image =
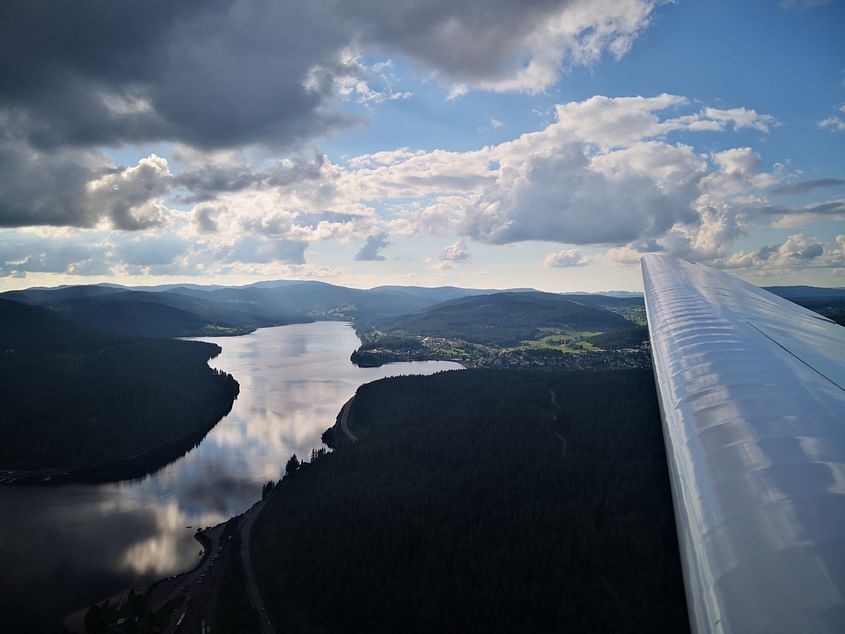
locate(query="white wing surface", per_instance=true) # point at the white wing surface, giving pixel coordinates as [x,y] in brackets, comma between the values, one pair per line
[752,392]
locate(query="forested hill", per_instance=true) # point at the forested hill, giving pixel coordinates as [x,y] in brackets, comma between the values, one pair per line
[504,319]
[480,501]
[156,314]
[829,302]
[180,311]
[74,397]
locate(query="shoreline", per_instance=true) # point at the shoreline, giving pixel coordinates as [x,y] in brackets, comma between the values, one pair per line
[155,587]
[128,468]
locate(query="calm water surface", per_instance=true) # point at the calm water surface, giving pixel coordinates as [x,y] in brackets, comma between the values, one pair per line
[63,547]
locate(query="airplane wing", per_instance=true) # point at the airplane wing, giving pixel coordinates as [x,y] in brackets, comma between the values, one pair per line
[752,392]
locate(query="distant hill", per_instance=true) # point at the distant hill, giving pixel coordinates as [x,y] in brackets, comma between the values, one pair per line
[829,302]
[35,330]
[594,299]
[618,294]
[181,312]
[505,319]
[75,397]
[805,292]
[41,296]
[190,310]
[173,310]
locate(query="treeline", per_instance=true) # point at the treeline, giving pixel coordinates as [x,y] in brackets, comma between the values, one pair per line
[476,501]
[375,351]
[628,338]
[74,398]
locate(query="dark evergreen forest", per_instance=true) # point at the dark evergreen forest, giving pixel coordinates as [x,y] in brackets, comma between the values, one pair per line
[74,397]
[480,501]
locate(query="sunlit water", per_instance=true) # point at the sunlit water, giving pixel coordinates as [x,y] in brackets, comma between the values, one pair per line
[63,547]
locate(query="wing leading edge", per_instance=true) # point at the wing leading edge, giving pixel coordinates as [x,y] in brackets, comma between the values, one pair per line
[751,392]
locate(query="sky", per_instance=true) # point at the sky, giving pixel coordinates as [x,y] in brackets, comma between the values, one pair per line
[483,143]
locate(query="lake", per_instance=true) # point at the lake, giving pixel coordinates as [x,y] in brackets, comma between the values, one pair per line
[62,547]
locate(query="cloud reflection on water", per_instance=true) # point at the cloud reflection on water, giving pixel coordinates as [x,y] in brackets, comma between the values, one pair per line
[75,544]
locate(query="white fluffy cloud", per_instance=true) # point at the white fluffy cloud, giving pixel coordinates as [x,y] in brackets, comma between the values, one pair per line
[456,252]
[607,172]
[578,33]
[834,123]
[130,196]
[796,251]
[564,259]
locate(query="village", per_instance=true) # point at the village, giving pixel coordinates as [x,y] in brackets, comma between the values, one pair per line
[472,355]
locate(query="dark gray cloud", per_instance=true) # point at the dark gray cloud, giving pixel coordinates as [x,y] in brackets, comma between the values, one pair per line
[766,252]
[811,252]
[206,182]
[46,189]
[209,74]
[221,73]
[468,40]
[833,207]
[205,216]
[79,188]
[807,186]
[371,251]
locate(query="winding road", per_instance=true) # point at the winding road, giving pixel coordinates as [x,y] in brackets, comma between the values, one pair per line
[264,623]
[344,415]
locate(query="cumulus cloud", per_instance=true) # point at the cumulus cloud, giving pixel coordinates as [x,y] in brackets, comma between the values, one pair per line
[129,196]
[568,197]
[606,171]
[456,252]
[564,259]
[833,123]
[371,251]
[81,189]
[205,216]
[47,189]
[797,251]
